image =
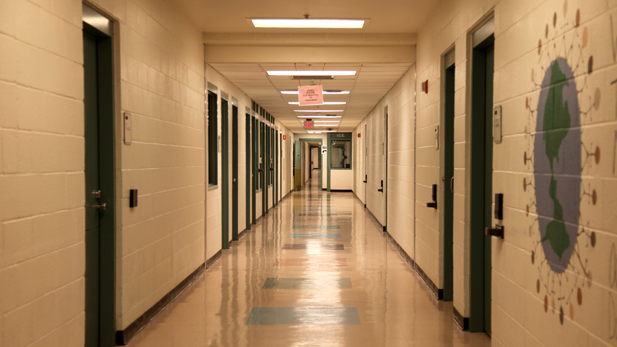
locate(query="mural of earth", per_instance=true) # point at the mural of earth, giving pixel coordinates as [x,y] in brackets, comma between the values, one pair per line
[557,164]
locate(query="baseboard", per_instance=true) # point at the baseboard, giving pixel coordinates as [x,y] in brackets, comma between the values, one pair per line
[341,190]
[124,336]
[214,258]
[437,293]
[462,322]
[375,219]
[401,251]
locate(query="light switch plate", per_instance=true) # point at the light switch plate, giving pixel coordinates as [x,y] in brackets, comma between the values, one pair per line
[437,137]
[497,124]
[128,131]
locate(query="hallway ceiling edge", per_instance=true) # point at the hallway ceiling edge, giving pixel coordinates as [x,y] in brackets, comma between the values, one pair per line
[386,16]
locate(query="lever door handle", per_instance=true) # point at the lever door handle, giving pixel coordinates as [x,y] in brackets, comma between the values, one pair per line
[496,231]
[380,190]
[102,207]
[432,204]
[235,180]
[365,181]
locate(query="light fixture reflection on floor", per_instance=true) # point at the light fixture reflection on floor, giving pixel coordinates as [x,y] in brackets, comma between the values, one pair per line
[306,23]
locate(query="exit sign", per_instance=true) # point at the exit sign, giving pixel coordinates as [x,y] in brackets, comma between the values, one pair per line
[308,123]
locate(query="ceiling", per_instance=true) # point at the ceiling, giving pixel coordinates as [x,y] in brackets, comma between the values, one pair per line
[381,52]
[367,87]
[386,16]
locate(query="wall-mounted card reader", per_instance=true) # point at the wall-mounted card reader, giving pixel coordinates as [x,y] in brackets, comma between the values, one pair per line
[133,198]
[433,204]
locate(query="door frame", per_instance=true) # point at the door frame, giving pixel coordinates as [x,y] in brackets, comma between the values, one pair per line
[480,245]
[446,156]
[248,179]
[107,171]
[225,170]
[234,169]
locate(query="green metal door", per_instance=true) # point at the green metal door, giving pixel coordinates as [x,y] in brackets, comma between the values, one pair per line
[248,179]
[99,188]
[448,181]
[225,172]
[481,185]
[254,168]
[234,173]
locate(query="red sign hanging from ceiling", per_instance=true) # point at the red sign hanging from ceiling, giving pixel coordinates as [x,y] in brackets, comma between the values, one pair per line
[310,95]
[308,123]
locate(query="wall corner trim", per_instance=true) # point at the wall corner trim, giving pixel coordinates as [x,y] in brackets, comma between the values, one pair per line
[124,336]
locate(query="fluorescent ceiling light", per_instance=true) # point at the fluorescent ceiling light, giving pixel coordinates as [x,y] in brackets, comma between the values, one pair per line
[311,73]
[324,103]
[326,125]
[325,92]
[327,122]
[309,23]
[309,117]
[320,131]
[320,111]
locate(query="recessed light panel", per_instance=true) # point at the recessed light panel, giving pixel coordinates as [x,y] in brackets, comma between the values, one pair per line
[320,111]
[324,103]
[306,23]
[340,92]
[316,116]
[311,73]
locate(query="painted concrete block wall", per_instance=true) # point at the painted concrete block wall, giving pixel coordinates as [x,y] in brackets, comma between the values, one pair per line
[161,84]
[359,156]
[162,241]
[214,204]
[41,174]
[400,104]
[535,301]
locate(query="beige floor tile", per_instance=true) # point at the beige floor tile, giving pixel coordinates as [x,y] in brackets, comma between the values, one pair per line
[394,306]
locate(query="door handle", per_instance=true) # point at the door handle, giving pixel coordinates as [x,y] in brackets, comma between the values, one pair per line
[101,207]
[235,180]
[496,231]
[380,190]
[432,204]
[452,184]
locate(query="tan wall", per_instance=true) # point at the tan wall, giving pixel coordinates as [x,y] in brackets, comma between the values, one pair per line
[41,173]
[160,66]
[400,102]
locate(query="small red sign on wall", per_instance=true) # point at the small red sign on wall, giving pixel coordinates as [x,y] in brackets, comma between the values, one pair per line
[358,134]
[284,137]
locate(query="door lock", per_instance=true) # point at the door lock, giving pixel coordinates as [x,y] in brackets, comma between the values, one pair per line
[96,194]
[101,207]
[235,180]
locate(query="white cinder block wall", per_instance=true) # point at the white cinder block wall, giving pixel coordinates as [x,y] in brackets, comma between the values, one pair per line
[160,65]
[42,218]
[532,304]
[162,241]
[400,103]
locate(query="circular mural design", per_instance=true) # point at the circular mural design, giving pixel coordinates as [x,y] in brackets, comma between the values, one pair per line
[557,165]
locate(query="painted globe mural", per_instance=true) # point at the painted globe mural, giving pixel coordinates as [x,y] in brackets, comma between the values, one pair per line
[557,164]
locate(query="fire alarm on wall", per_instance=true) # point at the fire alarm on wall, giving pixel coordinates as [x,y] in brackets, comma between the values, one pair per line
[358,134]
[425,87]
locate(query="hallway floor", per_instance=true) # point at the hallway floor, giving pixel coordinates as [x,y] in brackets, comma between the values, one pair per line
[316,271]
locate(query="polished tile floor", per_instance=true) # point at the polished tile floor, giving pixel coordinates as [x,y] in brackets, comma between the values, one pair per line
[316,271]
